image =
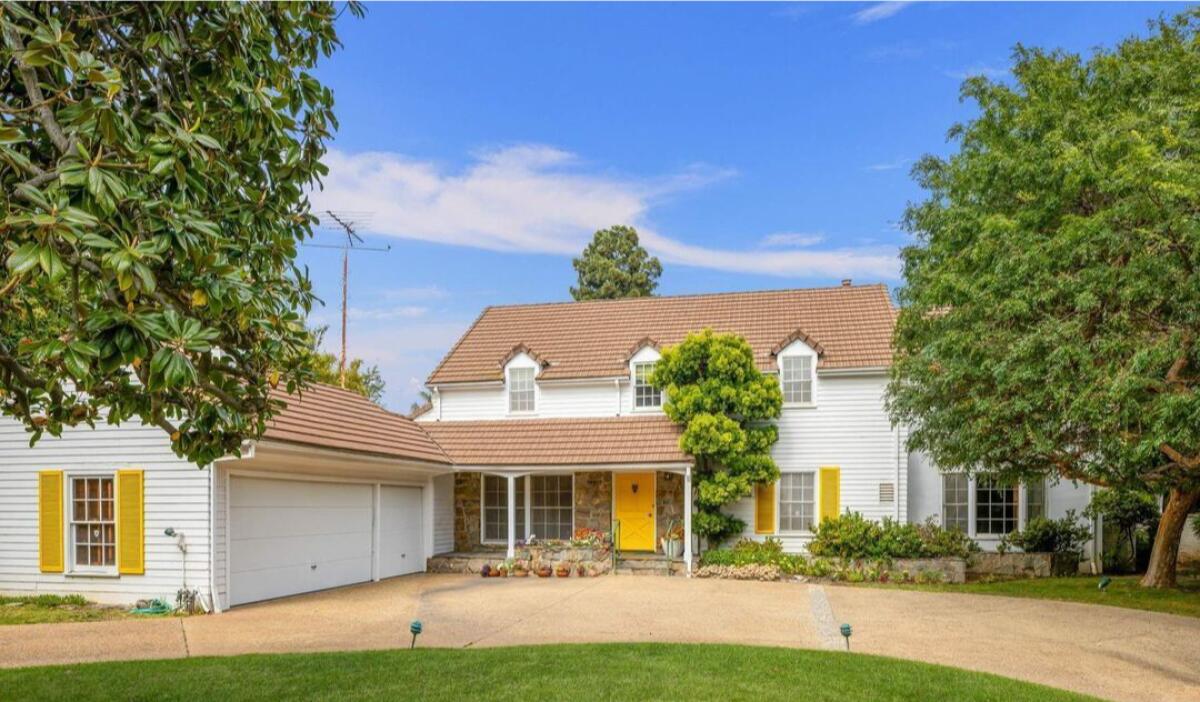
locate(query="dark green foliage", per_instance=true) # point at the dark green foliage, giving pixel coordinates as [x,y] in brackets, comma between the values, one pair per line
[360,378]
[614,265]
[725,404]
[750,552]
[1132,513]
[852,536]
[1042,535]
[154,160]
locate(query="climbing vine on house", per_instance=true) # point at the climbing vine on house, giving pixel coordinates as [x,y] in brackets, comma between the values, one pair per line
[725,405]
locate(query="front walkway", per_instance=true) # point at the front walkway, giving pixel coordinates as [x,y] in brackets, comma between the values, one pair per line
[1113,653]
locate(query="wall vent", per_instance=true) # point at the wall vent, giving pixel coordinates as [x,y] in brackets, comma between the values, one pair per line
[887,492]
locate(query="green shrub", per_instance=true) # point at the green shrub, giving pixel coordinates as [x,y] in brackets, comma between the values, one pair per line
[750,552]
[852,536]
[1041,535]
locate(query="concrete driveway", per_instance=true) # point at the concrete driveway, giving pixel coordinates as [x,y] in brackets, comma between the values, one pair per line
[1113,653]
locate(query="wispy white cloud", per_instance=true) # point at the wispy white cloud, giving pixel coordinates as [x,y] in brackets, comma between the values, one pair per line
[993,72]
[794,10]
[791,240]
[889,165]
[425,292]
[878,11]
[539,199]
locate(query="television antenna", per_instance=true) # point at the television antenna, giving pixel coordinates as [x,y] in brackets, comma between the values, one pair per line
[347,221]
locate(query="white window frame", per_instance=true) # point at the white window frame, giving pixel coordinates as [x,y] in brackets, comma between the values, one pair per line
[812,502]
[525,506]
[1026,502]
[798,350]
[511,384]
[75,567]
[634,384]
[532,508]
[1017,520]
[968,525]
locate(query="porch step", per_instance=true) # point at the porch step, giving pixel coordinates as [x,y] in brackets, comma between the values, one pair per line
[648,564]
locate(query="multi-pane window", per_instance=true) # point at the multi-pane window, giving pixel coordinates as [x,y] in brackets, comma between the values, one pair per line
[551,507]
[955,501]
[795,374]
[495,508]
[1035,500]
[995,507]
[797,498]
[520,390]
[93,527]
[645,394]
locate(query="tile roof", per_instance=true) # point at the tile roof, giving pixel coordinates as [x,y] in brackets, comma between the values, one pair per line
[851,323]
[329,417]
[575,441]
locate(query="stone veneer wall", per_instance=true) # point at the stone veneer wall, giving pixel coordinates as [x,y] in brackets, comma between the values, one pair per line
[468,490]
[593,500]
[668,504]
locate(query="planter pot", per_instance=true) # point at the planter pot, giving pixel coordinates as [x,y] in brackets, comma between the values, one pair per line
[545,572]
[563,572]
[520,573]
[581,571]
[485,571]
[673,548]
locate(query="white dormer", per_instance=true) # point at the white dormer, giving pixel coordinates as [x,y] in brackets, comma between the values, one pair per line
[797,358]
[645,397]
[521,370]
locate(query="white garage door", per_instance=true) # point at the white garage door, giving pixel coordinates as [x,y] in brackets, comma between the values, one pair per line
[290,536]
[400,537]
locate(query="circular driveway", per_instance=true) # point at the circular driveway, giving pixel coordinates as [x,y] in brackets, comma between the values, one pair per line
[1113,653]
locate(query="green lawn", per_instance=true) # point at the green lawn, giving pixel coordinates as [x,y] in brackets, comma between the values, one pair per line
[1124,591]
[593,671]
[46,609]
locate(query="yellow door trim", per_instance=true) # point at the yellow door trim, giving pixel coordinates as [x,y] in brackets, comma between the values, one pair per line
[651,543]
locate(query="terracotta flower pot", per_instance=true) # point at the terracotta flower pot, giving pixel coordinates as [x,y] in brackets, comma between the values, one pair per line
[545,572]
[563,571]
[520,573]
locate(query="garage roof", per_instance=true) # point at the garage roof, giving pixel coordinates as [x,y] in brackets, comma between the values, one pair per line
[329,417]
[578,442]
[851,325]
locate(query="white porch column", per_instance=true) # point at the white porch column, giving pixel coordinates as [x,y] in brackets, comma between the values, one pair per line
[512,516]
[687,519]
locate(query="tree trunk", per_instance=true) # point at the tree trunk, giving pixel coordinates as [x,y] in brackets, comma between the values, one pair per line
[1165,553]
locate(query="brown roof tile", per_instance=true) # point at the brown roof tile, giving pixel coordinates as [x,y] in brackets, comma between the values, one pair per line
[329,417]
[851,324]
[584,441]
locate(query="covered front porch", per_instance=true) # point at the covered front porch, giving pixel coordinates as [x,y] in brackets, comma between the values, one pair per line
[628,517]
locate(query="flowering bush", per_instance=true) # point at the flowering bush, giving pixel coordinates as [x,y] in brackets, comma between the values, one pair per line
[852,536]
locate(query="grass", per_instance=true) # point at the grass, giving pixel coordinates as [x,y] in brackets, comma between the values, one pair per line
[48,609]
[590,671]
[1123,591]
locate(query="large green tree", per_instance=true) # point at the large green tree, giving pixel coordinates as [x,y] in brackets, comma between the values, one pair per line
[614,265]
[154,159]
[1051,304]
[726,406]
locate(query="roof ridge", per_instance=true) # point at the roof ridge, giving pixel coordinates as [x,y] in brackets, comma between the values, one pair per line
[647,298]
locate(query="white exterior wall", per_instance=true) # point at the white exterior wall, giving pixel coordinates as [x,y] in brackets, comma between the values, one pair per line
[847,428]
[443,514]
[925,499]
[176,495]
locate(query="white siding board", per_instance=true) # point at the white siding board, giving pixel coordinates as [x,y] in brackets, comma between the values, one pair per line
[443,514]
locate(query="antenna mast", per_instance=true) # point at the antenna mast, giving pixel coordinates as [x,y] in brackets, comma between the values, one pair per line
[353,240]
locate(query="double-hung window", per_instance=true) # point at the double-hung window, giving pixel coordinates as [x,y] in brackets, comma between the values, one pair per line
[795,373]
[93,528]
[797,500]
[1035,500]
[520,390]
[956,507]
[645,395]
[495,508]
[995,507]
[549,508]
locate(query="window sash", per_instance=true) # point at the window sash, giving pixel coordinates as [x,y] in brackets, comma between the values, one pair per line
[495,508]
[645,394]
[552,503]
[1035,500]
[995,507]
[520,390]
[92,524]
[795,374]
[797,501]
[956,495]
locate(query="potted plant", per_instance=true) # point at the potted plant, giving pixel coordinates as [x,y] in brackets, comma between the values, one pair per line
[563,570]
[581,570]
[672,541]
[519,569]
[544,571]
[485,571]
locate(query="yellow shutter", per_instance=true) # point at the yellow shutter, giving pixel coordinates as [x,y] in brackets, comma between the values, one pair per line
[131,542]
[764,508]
[831,492]
[50,521]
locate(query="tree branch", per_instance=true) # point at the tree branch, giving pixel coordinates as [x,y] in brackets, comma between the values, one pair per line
[34,90]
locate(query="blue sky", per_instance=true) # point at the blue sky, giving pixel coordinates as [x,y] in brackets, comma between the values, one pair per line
[753,145]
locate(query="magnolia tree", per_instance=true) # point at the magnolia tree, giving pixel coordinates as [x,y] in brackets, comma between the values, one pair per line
[725,405]
[154,159]
[1051,304]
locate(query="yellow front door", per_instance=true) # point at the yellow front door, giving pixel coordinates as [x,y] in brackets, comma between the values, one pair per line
[635,510]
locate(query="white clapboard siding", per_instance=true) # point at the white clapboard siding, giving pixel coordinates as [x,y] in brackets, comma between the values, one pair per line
[176,495]
[443,514]
[850,429]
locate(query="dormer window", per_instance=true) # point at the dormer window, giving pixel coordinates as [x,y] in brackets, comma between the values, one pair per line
[520,390]
[795,373]
[645,395]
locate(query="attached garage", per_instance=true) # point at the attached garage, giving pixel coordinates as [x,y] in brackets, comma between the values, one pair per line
[337,492]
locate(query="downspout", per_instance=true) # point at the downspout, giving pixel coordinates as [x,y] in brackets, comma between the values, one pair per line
[617,387]
[215,605]
[898,457]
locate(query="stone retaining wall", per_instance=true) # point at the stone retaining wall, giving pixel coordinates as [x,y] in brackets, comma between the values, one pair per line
[1021,565]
